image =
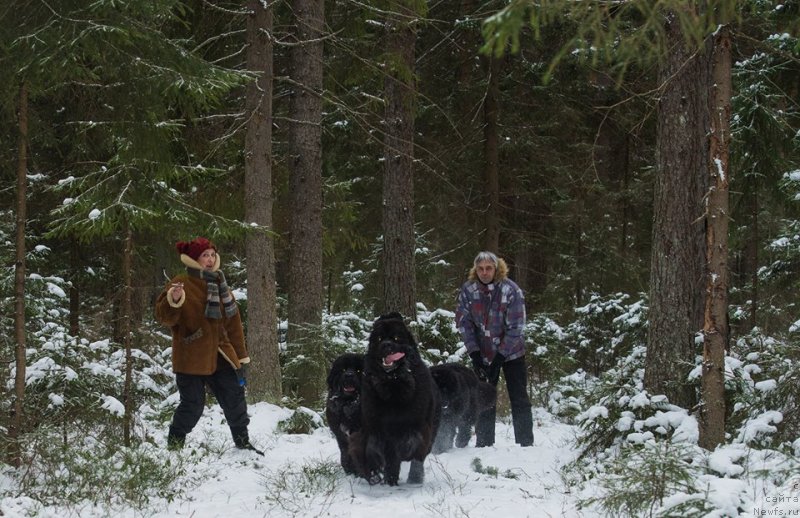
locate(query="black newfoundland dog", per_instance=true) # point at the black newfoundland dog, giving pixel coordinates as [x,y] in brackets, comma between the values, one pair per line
[399,406]
[463,398]
[343,406]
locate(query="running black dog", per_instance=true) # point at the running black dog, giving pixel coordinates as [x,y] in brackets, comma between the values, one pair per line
[463,398]
[400,407]
[343,406]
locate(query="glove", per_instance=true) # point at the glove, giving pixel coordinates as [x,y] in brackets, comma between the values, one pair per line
[241,373]
[493,372]
[477,365]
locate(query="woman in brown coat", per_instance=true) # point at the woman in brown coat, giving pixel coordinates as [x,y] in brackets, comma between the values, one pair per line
[208,345]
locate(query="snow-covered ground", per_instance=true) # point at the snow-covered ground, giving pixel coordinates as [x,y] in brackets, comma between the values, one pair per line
[293,478]
[300,476]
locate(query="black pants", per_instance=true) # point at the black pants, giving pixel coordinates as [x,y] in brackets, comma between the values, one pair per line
[226,389]
[516,378]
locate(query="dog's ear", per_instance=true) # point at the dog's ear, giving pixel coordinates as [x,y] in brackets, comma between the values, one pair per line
[334,371]
[331,378]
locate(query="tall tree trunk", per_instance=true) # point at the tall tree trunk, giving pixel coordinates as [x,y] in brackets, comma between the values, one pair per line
[14,454]
[520,247]
[625,204]
[305,185]
[262,318]
[749,274]
[715,329]
[577,229]
[678,251]
[399,278]
[467,38]
[125,327]
[752,247]
[74,292]
[491,154]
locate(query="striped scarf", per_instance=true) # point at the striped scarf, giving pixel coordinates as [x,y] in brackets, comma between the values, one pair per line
[217,291]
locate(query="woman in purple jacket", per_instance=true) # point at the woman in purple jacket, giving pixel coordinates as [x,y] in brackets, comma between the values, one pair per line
[491,320]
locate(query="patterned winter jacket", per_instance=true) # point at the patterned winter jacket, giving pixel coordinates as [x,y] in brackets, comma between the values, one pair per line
[491,318]
[197,341]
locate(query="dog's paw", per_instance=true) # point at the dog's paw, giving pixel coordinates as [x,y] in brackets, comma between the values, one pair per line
[374,478]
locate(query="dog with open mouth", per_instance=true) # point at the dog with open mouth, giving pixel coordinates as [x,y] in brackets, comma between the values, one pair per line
[399,406]
[343,405]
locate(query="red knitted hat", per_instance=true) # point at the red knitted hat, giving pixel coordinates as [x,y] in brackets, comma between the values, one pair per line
[194,247]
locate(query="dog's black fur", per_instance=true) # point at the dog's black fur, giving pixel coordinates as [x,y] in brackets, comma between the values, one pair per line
[400,407]
[463,398]
[343,406]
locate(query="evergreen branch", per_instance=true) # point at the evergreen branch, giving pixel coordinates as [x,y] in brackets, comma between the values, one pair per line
[216,38]
[232,12]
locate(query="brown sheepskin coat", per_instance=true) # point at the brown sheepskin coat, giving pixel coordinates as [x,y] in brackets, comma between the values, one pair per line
[197,340]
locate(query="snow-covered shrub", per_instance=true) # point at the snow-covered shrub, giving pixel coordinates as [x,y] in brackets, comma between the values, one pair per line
[296,489]
[345,333]
[618,411]
[566,396]
[74,382]
[302,421]
[549,360]
[83,471]
[338,333]
[605,329]
[765,408]
[643,452]
[438,338]
[638,481]
[568,362]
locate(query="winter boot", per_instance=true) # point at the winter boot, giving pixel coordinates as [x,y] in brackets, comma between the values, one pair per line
[484,428]
[241,438]
[175,440]
[523,425]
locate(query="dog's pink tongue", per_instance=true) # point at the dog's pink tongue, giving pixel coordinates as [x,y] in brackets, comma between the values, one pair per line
[391,358]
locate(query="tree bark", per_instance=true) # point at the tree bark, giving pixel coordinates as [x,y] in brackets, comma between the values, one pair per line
[305,186]
[262,319]
[74,292]
[625,204]
[491,154]
[14,454]
[399,278]
[467,37]
[678,251]
[125,327]
[715,329]
[749,266]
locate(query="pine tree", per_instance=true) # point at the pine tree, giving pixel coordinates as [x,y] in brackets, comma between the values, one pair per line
[305,182]
[399,245]
[127,87]
[262,329]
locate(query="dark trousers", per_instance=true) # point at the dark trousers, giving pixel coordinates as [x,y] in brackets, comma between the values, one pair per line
[226,389]
[516,378]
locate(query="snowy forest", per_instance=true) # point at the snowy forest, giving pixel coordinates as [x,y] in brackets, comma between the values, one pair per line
[636,163]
